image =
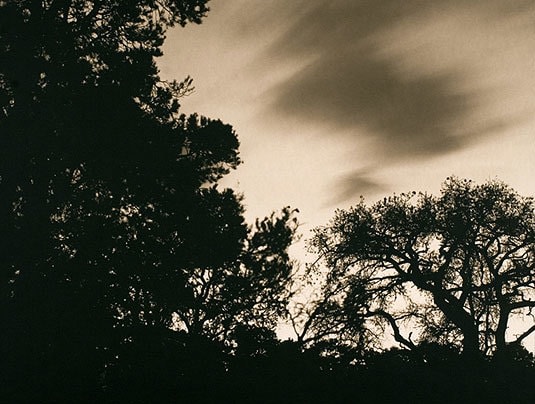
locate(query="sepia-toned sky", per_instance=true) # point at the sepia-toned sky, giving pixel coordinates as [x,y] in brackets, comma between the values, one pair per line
[333,99]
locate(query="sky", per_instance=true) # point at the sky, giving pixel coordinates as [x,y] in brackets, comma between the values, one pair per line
[337,99]
[334,99]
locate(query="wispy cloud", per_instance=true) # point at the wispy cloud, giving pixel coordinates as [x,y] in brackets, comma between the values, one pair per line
[357,91]
[354,93]
[356,183]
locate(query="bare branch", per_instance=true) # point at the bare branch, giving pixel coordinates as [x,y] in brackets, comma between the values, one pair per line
[397,334]
[525,334]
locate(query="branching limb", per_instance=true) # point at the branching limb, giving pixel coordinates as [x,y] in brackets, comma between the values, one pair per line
[525,334]
[395,328]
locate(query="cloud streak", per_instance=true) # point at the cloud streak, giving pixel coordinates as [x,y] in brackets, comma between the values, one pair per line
[356,91]
[354,183]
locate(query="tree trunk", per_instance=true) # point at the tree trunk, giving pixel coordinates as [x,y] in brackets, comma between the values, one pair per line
[471,350]
[501,329]
[454,311]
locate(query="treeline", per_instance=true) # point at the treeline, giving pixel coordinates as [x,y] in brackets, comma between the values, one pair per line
[128,275]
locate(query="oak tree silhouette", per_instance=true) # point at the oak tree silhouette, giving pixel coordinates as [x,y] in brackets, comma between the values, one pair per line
[452,269]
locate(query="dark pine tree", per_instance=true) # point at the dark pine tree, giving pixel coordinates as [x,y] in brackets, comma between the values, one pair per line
[125,269]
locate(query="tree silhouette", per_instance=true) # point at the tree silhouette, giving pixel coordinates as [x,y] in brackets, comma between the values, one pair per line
[453,269]
[119,251]
[128,274]
[250,291]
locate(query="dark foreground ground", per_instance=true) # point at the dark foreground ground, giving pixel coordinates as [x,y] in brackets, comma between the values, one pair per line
[286,376]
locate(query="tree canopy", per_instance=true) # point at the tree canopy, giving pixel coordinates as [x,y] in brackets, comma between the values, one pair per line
[129,274]
[453,269]
[117,242]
